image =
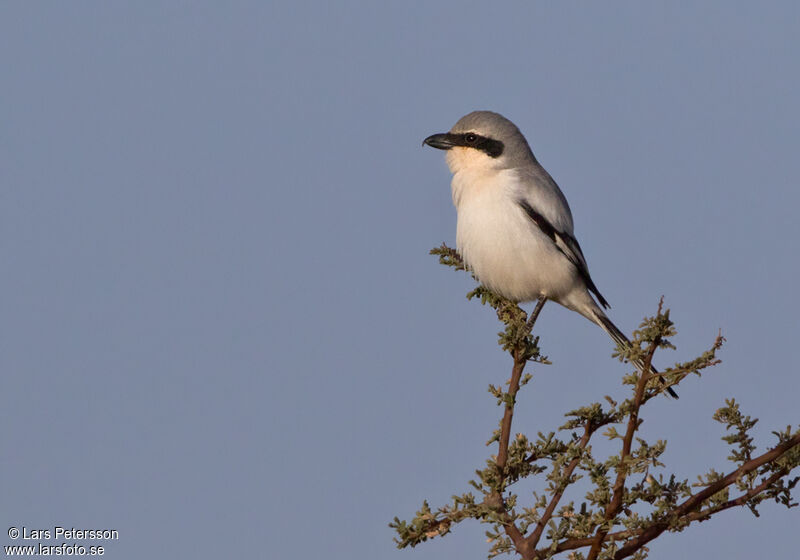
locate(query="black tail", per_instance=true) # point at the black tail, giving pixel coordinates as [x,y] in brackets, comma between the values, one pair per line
[620,338]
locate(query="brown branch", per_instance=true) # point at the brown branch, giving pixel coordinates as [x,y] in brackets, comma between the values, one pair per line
[533,540]
[695,502]
[741,500]
[509,526]
[575,543]
[572,544]
[516,536]
[615,504]
[535,314]
[513,387]
[508,414]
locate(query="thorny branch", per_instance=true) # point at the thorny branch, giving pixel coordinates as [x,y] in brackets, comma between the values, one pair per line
[533,539]
[689,511]
[612,522]
[615,505]
[694,503]
[520,359]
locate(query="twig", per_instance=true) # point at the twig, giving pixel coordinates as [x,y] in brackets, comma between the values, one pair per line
[535,314]
[533,539]
[520,542]
[572,544]
[687,510]
[513,387]
[615,504]
[741,500]
[696,501]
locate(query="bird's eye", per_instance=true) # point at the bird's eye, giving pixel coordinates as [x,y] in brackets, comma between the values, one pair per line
[470,137]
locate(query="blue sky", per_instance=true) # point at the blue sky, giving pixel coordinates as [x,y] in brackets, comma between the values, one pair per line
[221,332]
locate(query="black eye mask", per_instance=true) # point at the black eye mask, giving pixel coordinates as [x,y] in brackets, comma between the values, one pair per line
[491,147]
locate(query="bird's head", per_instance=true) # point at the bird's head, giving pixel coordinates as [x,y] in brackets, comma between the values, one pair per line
[482,140]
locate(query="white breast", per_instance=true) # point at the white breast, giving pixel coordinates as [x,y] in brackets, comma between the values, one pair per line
[500,243]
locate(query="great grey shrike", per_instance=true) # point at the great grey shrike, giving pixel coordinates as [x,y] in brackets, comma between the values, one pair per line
[515,230]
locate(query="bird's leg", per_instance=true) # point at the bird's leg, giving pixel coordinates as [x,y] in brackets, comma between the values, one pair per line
[535,314]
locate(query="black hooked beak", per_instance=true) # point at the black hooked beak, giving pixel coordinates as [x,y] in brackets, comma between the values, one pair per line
[442,141]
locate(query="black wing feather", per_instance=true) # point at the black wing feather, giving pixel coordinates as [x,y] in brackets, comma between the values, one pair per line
[568,245]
